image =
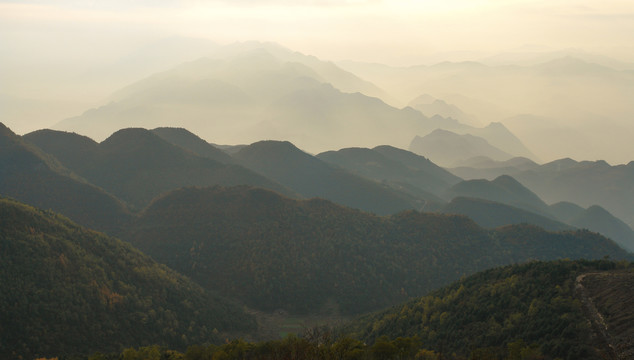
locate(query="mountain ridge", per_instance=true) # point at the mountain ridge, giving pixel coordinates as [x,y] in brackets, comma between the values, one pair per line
[301,255]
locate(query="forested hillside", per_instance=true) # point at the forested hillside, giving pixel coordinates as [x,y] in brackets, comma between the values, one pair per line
[310,256]
[492,214]
[485,315]
[68,290]
[37,178]
[533,311]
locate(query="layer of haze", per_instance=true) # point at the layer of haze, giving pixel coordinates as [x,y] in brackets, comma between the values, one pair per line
[59,59]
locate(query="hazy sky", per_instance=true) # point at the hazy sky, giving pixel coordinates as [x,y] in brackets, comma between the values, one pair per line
[60,58]
[396,31]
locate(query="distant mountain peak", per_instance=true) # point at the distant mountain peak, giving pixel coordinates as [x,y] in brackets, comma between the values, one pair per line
[130,137]
[496,124]
[448,148]
[506,179]
[276,145]
[4,130]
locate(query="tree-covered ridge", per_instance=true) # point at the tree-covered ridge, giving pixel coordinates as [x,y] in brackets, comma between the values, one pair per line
[398,168]
[66,290]
[490,214]
[320,345]
[315,256]
[189,141]
[136,165]
[503,189]
[535,303]
[312,177]
[533,311]
[37,178]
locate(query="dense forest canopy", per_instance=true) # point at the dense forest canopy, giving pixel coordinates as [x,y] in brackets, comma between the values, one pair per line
[311,256]
[67,290]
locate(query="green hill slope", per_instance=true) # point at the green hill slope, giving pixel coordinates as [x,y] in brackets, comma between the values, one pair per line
[311,256]
[31,176]
[490,313]
[68,290]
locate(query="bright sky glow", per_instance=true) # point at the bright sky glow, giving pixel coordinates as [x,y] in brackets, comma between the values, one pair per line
[402,29]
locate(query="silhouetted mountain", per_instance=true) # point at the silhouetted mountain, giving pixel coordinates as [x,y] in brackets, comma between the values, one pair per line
[312,177]
[431,106]
[585,183]
[482,167]
[416,162]
[189,141]
[572,66]
[326,70]
[258,94]
[562,164]
[325,118]
[504,189]
[492,214]
[531,56]
[483,162]
[562,92]
[67,290]
[136,165]
[31,176]
[311,256]
[596,218]
[512,312]
[566,211]
[230,149]
[500,137]
[447,148]
[75,151]
[383,164]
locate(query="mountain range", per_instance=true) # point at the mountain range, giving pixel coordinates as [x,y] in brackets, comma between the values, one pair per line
[398,168]
[223,194]
[585,183]
[448,148]
[137,165]
[552,106]
[507,201]
[249,92]
[311,243]
[383,180]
